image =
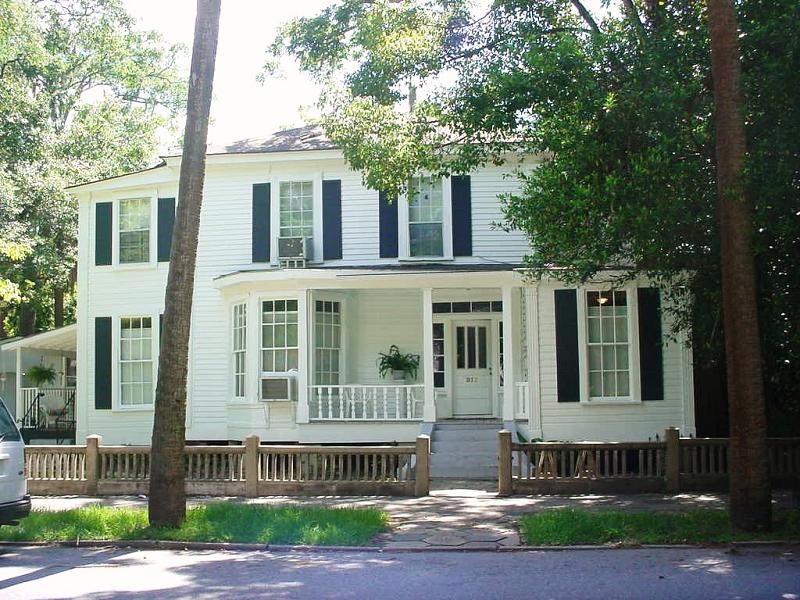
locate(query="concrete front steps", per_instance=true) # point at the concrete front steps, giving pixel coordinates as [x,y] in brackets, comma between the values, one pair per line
[464,449]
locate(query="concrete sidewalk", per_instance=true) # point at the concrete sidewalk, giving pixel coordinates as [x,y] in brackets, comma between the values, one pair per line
[457,515]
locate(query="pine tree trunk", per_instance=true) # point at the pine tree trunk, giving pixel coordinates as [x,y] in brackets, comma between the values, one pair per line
[58,307]
[749,475]
[167,501]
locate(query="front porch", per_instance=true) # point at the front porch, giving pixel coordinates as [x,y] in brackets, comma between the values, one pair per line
[472,344]
[45,411]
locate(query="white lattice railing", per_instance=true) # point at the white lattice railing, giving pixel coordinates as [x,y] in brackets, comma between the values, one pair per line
[356,402]
[522,400]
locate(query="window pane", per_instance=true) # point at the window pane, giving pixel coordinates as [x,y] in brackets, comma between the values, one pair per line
[460,347]
[470,347]
[296,201]
[425,239]
[134,230]
[481,347]
[623,383]
[607,347]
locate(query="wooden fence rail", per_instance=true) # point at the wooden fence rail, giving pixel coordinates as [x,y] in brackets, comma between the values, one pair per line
[671,465]
[250,470]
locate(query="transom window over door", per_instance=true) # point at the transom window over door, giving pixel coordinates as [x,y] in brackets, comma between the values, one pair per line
[327,341]
[136,361]
[425,217]
[296,199]
[134,230]
[608,344]
[278,336]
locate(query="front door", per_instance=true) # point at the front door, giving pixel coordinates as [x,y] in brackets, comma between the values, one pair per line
[472,379]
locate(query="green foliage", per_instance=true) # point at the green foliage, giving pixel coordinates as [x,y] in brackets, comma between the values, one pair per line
[39,375]
[605,122]
[568,526]
[215,522]
[395,361]
[83,95]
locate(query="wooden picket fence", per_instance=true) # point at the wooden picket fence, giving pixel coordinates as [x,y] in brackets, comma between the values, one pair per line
[250,470]
[672,465]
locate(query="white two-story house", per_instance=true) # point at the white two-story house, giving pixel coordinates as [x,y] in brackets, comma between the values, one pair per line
[304,276]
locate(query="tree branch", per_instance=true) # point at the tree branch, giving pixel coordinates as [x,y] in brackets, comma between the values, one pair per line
[586,15]
[633,15]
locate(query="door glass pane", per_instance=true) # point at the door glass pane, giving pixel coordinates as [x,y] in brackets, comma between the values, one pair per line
[460,347]
[481,347]
[470,347]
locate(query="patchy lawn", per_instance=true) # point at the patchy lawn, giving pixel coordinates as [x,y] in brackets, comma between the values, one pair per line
[565,526]
[216,522]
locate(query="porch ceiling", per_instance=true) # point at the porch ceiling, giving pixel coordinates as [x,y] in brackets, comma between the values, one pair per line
[63,339]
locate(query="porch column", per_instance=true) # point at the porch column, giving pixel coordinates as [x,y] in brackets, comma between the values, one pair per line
[303,362]
[511,329]
[429,411]
[20,409]
[534,388]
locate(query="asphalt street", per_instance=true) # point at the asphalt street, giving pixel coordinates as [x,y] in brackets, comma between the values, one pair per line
[42,572]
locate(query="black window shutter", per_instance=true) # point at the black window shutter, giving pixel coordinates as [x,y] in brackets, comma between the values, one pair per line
[102,363]
[332,219]
[388,225]
[103,234]
[166,222]
[160,328]
[261,222]
[566,308]
[651,361]
[461,206]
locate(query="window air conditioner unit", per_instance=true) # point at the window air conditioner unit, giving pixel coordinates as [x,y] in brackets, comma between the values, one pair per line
[277,389]
[295,248]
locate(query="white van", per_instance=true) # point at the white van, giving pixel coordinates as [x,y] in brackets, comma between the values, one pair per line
[15,503]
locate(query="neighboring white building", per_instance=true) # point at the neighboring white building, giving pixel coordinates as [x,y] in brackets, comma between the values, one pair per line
[304,275]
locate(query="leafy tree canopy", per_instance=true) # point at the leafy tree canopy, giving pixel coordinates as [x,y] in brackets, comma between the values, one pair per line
[83,95]
[616,108]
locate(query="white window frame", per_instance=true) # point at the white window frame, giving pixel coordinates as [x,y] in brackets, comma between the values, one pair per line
[635,396]
[275,214]
[316,297]
[244,304]
[153,238]
[117,360]
[404,237]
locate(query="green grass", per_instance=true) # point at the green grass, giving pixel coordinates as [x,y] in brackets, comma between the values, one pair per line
[565,526]
[217,522]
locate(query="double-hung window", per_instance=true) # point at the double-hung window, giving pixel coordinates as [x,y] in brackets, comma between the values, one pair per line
[608,344]
[296,208]
[136,361]
[425,217]
[134,230]
[328,341]
[240,350]
[279,333]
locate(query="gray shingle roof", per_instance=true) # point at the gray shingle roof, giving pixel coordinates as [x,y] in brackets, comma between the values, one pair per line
[310,137]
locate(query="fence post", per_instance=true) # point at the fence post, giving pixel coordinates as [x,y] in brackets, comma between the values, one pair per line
[672,460]
[504,463]
[422,480]
[251,466]
[92,465]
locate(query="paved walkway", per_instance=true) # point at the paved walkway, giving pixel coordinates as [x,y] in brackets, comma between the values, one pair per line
[457,515]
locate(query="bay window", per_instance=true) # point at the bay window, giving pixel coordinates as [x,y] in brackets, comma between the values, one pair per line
[240,350]
[327,341]
[279,335]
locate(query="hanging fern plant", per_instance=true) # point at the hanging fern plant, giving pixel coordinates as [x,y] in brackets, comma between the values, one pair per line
[40,375]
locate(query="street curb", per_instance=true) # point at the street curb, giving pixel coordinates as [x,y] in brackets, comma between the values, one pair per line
[286,548]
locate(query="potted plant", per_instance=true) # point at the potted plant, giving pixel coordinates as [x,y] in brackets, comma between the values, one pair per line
[399,365]
[39,375]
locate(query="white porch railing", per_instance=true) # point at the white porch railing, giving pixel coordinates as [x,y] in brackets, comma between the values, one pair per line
[356,402]
[522,400]
[47,408]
